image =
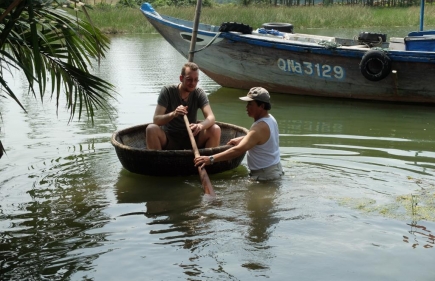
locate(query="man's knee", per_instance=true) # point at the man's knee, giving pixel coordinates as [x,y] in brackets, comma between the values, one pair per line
[215,131]
[155,137]
[214,135]
[210,137]
[152,128]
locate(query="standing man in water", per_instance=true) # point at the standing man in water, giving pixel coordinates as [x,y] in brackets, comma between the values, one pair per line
[261,143]
[168,130]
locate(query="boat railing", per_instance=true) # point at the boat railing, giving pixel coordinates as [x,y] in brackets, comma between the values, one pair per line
[298,37]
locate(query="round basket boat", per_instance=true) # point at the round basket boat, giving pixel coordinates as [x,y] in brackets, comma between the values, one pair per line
[131,149]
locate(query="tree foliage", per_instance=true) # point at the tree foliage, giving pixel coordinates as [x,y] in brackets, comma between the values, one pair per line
[43,41]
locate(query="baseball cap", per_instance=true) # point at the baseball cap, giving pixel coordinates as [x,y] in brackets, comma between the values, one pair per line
[257,93]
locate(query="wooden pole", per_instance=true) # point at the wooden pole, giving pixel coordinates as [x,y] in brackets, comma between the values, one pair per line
[195,30]
[421,14]
[205,180]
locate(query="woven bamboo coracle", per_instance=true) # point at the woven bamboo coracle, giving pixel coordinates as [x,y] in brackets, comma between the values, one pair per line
[131,149]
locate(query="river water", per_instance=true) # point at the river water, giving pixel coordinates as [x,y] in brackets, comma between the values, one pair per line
[357,201]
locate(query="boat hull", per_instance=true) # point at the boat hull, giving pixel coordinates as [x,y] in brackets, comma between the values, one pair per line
[130,147]
[243,61]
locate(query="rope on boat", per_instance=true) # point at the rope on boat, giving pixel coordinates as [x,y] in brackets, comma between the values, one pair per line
[368,39]
[206,46]
[329,45]
[379,43]
[385,50]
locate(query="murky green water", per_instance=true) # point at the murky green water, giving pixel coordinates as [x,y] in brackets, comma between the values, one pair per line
[356,203]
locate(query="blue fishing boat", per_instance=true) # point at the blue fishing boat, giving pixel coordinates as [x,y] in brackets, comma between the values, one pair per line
[370,66]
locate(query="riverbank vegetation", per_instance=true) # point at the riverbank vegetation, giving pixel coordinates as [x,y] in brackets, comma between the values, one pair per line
[121,19]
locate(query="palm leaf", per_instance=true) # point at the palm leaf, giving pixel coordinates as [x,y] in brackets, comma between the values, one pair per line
[45,41]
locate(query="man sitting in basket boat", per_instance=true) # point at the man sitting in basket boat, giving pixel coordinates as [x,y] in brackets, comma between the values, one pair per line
[261,144]
[169,130]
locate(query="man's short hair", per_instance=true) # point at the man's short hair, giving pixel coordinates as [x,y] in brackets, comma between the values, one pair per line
[267,106]
[193,66]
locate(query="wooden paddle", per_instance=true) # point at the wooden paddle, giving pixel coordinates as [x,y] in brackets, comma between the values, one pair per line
[205,180]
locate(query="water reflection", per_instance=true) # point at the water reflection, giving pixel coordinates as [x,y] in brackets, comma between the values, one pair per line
[326,118]
[53,221]
[161,195]
[422,232]
[179,215]
[261,209]
[353,137]
[262,212]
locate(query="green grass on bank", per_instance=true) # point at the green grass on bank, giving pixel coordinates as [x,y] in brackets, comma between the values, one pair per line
[129,20]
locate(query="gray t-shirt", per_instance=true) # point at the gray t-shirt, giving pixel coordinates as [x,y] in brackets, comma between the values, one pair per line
[170,99]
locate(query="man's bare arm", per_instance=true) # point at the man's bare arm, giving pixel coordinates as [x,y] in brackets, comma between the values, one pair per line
[209,118]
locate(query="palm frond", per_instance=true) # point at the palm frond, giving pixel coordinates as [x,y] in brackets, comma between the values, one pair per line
[45,43]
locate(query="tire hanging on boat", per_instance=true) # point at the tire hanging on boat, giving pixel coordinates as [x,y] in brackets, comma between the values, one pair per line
[375,65]
[280,26]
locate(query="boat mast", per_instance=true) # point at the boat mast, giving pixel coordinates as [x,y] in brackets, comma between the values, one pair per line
[195,30]
[421,14]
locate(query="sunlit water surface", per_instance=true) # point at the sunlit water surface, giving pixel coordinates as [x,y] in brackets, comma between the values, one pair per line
[356,203]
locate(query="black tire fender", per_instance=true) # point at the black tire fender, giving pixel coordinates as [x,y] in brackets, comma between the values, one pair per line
[375,65]
[280,26]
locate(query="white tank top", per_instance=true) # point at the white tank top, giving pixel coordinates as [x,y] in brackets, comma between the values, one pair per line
[267,154]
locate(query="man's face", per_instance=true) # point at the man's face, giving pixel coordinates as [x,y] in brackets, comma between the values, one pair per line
[189,80]
[251,108]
